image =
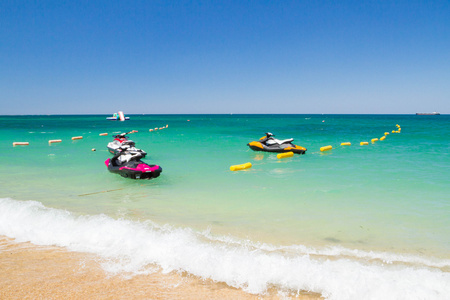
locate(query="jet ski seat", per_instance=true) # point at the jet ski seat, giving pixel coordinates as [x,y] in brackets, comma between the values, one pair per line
[285,141]
[127,156]
[273,141]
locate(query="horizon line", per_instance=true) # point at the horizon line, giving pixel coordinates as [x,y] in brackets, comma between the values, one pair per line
[140,114]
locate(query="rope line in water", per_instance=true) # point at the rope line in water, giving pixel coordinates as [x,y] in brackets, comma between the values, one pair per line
[100,192]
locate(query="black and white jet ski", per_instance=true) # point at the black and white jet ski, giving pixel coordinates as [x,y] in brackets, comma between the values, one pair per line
[121,142]
[270,144]
[128,164]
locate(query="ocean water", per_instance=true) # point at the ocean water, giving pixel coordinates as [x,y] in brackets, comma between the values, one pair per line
[355,222]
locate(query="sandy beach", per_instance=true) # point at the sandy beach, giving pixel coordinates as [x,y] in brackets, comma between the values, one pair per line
[35,272]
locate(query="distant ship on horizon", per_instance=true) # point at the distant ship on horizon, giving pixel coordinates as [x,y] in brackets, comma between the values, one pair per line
[428,114]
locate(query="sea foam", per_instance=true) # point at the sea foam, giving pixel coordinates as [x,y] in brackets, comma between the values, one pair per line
[136,247]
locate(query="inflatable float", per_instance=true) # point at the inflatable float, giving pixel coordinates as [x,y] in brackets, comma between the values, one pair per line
[118,116]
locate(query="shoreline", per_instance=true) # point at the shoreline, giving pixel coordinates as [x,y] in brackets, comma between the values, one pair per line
[50,272]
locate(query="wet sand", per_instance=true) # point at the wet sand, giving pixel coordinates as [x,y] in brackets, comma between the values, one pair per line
[36,272]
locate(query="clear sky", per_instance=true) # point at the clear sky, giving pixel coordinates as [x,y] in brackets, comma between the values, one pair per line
[157,57]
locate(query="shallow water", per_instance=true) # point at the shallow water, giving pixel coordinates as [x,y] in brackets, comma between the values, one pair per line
[349,210]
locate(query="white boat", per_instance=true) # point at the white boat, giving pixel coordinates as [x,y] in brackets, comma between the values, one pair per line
[428,114]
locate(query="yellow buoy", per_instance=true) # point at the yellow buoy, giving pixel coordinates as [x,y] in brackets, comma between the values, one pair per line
[54,141]
[21,143]
[150,130]
[326,148]
[103,134]
[284,155]
[386,133]
[364,143]
[382,138]
[393,131]
[241,167]
[77,138]
[346,144]
[374,140]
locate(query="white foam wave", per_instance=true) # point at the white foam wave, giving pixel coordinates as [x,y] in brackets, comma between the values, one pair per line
[338,251]
[129,246]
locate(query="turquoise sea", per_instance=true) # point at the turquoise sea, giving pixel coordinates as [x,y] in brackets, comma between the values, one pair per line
[354,222]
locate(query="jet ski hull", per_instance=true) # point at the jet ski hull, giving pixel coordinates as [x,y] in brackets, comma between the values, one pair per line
[134,170]
[286,147]
[113,150]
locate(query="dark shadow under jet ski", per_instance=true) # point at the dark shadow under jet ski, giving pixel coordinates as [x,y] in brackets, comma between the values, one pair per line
[270,144]
[128,164]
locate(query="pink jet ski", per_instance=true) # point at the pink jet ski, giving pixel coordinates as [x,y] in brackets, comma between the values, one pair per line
[128,164]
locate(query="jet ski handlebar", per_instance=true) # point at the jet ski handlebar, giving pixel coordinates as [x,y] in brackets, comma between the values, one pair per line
[122,135]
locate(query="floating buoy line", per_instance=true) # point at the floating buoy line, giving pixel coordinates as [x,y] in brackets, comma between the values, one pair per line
[81,137]
[241,167]
[324,148]
[284,155]
[21,144]
[54,141]
[158,128]
[364,143]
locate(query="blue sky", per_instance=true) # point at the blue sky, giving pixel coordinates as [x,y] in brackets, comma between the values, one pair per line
[157,57]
